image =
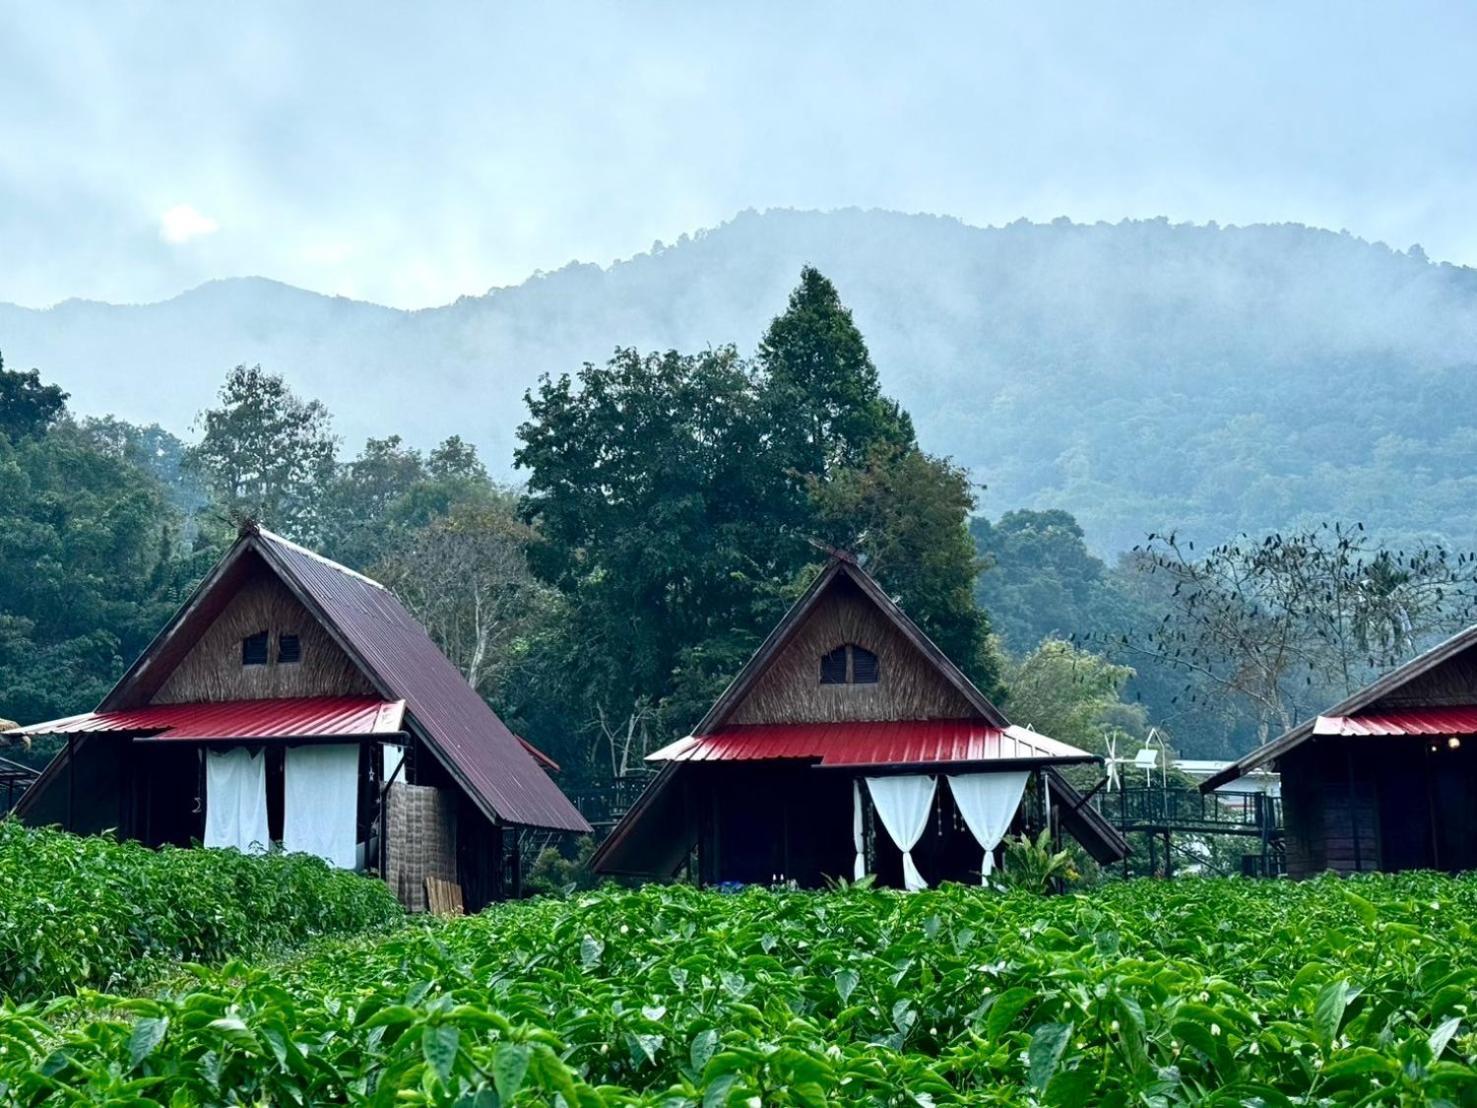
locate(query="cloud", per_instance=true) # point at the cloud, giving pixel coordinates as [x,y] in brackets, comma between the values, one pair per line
[182,223]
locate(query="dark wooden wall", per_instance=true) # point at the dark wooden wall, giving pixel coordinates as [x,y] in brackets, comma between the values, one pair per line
[1331,810]
[1387,803]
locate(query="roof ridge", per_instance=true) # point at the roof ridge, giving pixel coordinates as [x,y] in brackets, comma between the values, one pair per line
[298,548]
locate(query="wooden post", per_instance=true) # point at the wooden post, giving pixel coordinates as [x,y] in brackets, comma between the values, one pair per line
[71,780]
[517,864]
[1353,809]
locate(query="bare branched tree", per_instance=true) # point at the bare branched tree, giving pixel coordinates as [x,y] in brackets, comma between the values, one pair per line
[1277,620]
[628,740]
[466,578]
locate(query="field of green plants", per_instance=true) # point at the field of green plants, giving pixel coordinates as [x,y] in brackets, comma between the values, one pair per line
[80,912]
[1194,992]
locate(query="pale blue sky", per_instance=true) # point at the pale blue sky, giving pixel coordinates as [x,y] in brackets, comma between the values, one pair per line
[388,153]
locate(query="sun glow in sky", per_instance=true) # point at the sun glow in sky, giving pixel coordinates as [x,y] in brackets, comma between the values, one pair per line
[409,154]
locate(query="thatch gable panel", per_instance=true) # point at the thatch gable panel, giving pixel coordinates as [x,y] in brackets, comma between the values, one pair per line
[910,685]
[212,669]
[1449,683]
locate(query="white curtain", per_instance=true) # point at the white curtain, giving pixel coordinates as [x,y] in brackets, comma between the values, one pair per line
[903,804]
[320,806]
[988,802]
[236,799]
[859,870]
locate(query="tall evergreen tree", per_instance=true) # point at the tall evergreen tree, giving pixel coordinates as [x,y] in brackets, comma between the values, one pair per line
[821,388]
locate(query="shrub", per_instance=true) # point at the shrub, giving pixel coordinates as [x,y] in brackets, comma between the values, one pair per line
[89,911]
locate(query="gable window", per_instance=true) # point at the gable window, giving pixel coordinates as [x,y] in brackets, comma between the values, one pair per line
[833,667]
[289,650]
[254,649]
[850,665]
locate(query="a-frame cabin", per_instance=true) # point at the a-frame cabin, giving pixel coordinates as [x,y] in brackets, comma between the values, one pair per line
[845,739]
[293,701]
[1387,778]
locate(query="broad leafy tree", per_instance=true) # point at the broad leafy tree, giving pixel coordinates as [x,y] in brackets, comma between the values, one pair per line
[27,407]
[655,496]
[1040,580]
[265,453]
[89,563]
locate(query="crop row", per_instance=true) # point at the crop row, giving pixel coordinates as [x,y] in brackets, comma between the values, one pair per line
[80,912]
[1203,992]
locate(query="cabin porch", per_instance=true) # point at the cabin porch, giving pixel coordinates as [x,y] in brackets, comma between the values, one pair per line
[778,822]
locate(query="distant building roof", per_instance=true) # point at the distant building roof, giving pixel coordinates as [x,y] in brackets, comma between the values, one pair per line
[1445,720]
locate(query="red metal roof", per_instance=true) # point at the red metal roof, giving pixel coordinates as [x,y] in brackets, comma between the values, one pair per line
[1403,721]
[305,717]
[909,742]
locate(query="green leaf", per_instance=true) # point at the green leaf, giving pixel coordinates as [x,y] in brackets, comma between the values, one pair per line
[1048,1044]
[1360,1064]
[716,1094]
[145,1037]
[591,949]
[1328,1011]
[1007,1006]
[1442,1035]
[1131,1031]
[643,1048]
[439,1044]
[846,982]
[1366,911]
[509,1066]
[1072,1088]
[704,1044]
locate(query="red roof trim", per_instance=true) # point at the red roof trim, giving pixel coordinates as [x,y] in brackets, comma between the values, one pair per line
[1402,721]
[297,717]
[839,745]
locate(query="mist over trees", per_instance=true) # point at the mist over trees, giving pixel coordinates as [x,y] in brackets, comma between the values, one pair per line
[1143,376]
[673,504]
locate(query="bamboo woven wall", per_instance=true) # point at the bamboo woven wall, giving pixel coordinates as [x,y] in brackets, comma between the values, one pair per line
[909,686]
[420,840]
[212,670]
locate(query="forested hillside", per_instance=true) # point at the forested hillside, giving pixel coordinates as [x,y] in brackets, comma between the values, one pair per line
[1140,375]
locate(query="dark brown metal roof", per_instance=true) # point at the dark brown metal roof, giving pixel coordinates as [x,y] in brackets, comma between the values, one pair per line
[397,654]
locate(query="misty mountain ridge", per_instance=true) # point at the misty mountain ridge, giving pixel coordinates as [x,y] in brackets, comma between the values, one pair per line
[1142,375]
